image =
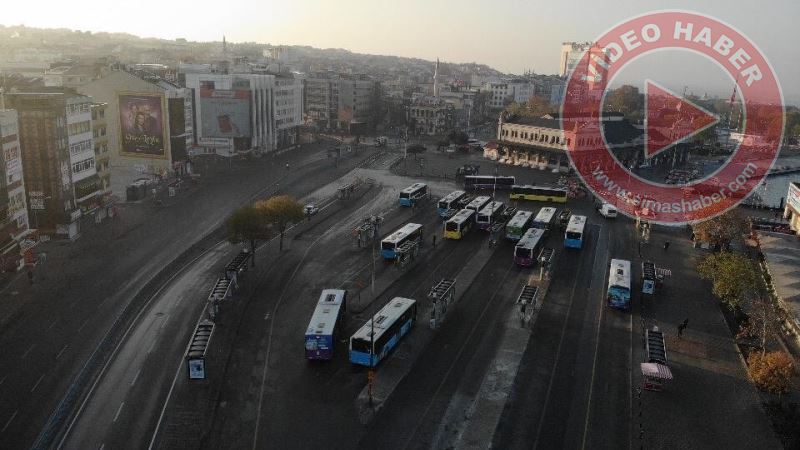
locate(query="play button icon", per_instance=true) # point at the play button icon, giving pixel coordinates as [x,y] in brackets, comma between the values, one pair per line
[670,119]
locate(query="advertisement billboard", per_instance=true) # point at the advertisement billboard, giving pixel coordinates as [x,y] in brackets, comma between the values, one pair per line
[794,197]
[225,113]
[142,125]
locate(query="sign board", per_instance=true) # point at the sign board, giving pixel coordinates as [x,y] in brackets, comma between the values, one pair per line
[36,200]
[793,198]
[197,369]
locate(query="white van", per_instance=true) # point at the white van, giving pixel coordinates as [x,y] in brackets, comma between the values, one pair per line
[608,210]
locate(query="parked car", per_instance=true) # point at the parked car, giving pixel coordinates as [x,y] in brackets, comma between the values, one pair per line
[311,209]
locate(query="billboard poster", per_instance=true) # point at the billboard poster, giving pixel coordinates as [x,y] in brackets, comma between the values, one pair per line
[225,113]
[142,125]
[794,196]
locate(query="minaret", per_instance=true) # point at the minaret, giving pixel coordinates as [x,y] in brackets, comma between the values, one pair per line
[436,79]
[224,46]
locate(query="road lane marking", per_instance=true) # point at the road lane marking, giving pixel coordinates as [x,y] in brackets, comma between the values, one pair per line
[164,322]
[83,324]
[102,446]
[52,323]
[37,383]
[3,380]
[561,341]
[135,377]
[594,360]
[119,410]
[150,349]
[61,351]
[27,351]
[9,421]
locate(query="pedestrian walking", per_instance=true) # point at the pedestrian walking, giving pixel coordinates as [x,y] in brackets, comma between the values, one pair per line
[30,276]
[434,241]
[682,327]
[640,249]
[666,245]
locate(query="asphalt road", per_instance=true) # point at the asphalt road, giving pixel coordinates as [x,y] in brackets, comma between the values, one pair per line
[65,317]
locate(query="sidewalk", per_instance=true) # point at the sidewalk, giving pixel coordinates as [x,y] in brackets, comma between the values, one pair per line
[710,403]
[394,369]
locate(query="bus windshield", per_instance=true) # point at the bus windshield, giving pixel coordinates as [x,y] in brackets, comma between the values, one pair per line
[451,226]
[573,235]
[404,195]
[522,252]
[387,245]
[618,294]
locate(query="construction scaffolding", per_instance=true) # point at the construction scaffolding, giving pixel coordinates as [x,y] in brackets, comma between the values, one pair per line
[441,296]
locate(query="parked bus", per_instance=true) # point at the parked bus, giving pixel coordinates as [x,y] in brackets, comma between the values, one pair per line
[409,232]
[538,193]
[527,249]
[325,324]
[518,225]
[489,215]
[459,225]
[413,193]
[573,236]
[373,341]
[619,285]
[449,202]
[478,204]
[545,219]
[500,182]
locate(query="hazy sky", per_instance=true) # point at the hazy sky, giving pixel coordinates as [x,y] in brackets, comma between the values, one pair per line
[510,35]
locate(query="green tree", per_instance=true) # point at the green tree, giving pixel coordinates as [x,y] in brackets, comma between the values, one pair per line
[534,107]
[722,230]
[280,211]
[627,100]
[733,276]
[771,372]
[248,224]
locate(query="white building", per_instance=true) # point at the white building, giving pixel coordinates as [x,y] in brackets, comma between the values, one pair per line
[15,221]
[234,113]
[504,92]
[288,109]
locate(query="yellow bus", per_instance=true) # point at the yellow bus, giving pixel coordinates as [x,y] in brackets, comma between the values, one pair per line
[538,193]
[459,225]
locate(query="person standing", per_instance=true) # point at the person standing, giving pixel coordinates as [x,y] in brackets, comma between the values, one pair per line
[434,241]
[666,245]
[682,327]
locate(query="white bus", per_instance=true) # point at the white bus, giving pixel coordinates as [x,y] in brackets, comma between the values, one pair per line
[325,324]
[478,203]
[573,236]
[489,214]
[373,341]
[527,249]
[409,232]
[449,201]
[458,225]
[518,225]
[545,218]
[618,294]
[411,194]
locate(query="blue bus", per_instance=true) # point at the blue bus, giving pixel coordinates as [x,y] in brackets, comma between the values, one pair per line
[413,193]
[409,232]
[325,324]
[449,202]
[618,294]
[373,341]
[573,236]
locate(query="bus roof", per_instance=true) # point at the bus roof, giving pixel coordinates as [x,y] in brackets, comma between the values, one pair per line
[478,202]
[530,186]
[531,238]
[384,318]
[461,216]
[324,318]
[414,188]
[491,207]
[620,273]
[519,219]
[453,196]
[545,215]
[402,232]
[576,224]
